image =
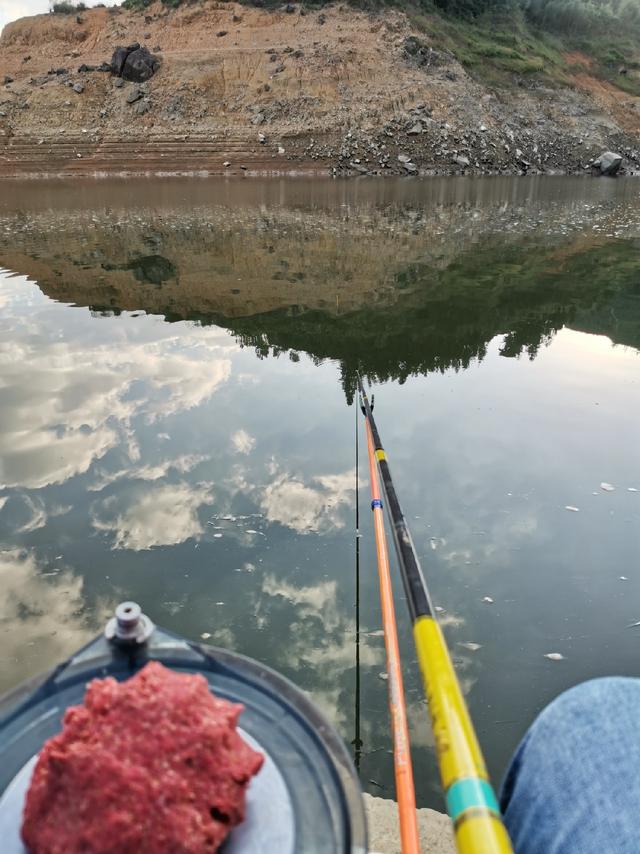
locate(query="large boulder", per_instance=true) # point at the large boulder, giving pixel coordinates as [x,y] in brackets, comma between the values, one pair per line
[608,163]
[119,58]
[140,65]
[134,63]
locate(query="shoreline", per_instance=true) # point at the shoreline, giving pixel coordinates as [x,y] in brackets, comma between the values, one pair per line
[87,170]
[46,157]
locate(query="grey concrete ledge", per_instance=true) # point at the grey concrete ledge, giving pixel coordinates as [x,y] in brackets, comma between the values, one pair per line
[436,832]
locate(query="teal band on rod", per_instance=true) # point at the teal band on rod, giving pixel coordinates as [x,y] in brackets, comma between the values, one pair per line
[470,793]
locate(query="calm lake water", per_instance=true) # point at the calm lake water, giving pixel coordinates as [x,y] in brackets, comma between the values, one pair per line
[177,371]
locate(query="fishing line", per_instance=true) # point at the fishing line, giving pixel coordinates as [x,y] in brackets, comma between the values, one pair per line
[357,741]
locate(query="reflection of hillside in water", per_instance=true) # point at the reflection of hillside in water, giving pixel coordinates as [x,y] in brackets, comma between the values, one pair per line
[389,289]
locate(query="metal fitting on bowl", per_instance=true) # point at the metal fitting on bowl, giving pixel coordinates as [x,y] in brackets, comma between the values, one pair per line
[129,625]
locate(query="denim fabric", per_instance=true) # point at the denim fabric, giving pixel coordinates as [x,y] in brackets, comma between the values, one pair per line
[573,786]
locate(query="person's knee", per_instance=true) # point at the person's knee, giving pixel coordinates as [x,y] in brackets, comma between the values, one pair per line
[576,772]
[594,698]
[585,713]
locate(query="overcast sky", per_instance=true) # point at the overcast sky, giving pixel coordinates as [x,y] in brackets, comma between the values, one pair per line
[10,10]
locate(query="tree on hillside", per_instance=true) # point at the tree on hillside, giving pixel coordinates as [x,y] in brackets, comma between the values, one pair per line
[66,7]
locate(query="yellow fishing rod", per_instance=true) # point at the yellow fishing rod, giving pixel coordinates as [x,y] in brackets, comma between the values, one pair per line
[471,802]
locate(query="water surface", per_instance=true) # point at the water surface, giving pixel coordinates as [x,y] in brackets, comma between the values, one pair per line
[177,374]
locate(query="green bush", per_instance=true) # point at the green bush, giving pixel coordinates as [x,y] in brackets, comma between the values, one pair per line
[65,7]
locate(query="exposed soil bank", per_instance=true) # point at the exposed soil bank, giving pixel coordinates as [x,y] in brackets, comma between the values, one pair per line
[337,92]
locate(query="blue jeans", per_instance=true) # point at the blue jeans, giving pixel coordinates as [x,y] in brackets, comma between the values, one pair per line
[573,786]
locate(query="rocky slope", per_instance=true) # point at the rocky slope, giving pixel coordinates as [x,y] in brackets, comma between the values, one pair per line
[243,88]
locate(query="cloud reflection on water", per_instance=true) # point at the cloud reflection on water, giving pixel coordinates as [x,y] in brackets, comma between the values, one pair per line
[163,515]
[65,403]
[313,506]
[43,615]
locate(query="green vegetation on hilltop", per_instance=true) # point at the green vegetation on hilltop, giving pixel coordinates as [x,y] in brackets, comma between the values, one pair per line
[67,7]
[506,41]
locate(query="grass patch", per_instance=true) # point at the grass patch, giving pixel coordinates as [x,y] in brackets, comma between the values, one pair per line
[498,51]
[501,50]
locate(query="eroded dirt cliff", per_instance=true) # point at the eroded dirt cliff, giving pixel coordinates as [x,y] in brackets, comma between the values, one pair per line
[243,88]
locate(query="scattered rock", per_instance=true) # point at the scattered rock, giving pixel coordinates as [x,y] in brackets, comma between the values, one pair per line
[415,129]
[289,8]
[322,18]
[142,107]
[460,160]
[221,33]
[118,82]
[134,96]
[404,158]
[279,69]
[104,66]
[417,52]
[608,163]
[78,88]
[226,164]
[7,80]
[237,19]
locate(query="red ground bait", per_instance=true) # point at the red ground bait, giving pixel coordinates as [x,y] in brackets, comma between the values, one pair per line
[153,765]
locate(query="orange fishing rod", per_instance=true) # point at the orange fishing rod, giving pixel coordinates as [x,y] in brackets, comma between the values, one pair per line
[405,793]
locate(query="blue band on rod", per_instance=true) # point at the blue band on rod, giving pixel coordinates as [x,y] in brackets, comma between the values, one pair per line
[470,793]
[376,503]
